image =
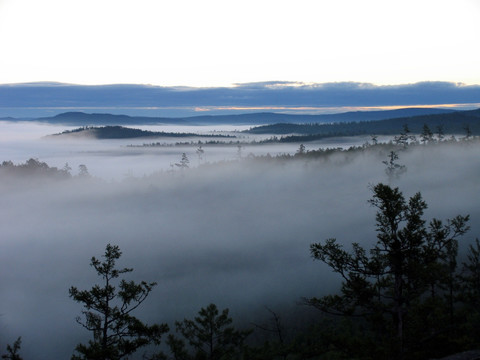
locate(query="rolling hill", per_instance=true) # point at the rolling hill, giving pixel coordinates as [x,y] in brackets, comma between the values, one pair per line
[98,119]
[120,132]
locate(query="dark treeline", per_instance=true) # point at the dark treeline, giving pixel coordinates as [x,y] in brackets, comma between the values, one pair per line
[191,143]
[404,141]
[36,169]
[450,123]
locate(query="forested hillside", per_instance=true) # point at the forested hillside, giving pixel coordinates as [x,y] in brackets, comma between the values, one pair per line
[120,132]
[450,123]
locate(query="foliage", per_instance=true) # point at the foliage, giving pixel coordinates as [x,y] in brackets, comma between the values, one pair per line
[405,137]
[426,135]
[452,123]
[210,336]
[440,133]
[40,170]
[183,164]
[408,269]
[301,149]
[393,169]
[108,313]
[200,153]
[272,349]
[471,275]
[83,171]
[120,132]
[33,167]
[12,351]
[468,131]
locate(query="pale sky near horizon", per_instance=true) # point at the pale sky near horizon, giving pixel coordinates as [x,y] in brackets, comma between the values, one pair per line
[221,42]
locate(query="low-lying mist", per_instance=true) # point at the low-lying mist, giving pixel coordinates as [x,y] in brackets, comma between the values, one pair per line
[235,233]
[117,159]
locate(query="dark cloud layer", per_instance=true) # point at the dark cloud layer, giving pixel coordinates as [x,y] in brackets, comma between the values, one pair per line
[246,95]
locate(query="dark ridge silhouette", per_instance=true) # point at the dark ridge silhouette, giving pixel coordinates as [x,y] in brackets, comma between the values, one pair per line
[82,119]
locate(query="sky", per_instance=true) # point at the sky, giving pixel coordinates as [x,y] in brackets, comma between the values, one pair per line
[214,43]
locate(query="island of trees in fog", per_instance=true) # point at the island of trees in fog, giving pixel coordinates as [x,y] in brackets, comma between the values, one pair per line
[429,126]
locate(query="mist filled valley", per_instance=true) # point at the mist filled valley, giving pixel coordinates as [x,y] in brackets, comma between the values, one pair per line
[232,226]
[255,180]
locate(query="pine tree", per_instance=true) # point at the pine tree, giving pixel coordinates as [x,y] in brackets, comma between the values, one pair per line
[386,284]
[404,138]
[12,351]
[440,133]
[200,153]
[108,313]
[393,169]
[210,335]
[83,171]
[183,164]
[301,150]
[426,135]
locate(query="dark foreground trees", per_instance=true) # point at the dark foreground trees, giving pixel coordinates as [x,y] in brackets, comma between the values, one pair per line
[210,336]
[108,313]
[403,290]
[12,350]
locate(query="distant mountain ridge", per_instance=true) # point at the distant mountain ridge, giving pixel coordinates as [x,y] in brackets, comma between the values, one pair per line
[98,119]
